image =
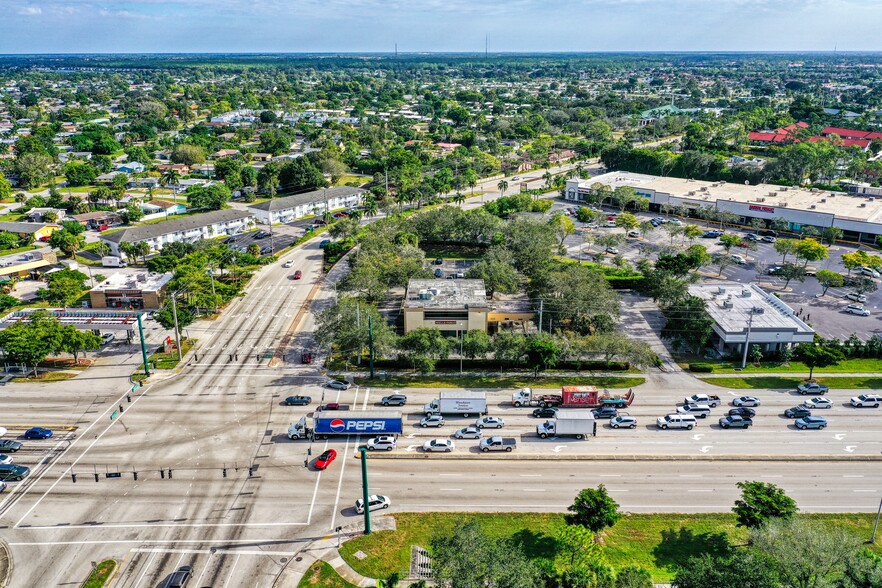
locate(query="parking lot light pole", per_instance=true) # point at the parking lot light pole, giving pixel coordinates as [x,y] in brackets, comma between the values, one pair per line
[143,345]
[365,493]
[747,337]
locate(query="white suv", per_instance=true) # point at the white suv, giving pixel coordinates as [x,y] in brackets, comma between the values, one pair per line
[383,442]
[676,421]
[857,309]
[866,400]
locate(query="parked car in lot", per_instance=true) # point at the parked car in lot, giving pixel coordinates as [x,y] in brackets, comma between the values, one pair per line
[623,421]
[735,422]
[375,502]
[5,459]
[394,400]
[605,412]
[769,239]
[868,271]
[712,234]
[306,357]
[490,422]
[298,400]
[857,297]
[2,486]
[744,412]
[435,420]
[746,401]
[469,433]
[339,385]
[107,338]
[810,422]
[11,472]
[180,578]
[381,443]
[436,445]
[438,273]
[819,402]
[325,459]
[9,446]
[812,388]
[739,259]
[261,235]
[857,309]
[37,433]
[548,412]
[797,412]
[866,400]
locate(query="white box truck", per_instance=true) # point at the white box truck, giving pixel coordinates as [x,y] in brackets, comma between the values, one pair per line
[458,403]
[112,261]
[572,423]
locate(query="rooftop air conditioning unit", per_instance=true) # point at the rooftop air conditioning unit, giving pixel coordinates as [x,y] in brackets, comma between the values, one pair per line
[728,304]
[773,193]
[863,205]
[760,199]
[782,189]
[871,199]
[814,189]
[745,294]
[823,200]
[721,290]
[758,310]
[813,206]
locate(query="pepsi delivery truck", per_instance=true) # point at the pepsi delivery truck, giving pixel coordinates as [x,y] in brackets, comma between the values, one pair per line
[343,422]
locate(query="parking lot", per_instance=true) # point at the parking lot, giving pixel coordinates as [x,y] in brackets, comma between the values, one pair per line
[826,314]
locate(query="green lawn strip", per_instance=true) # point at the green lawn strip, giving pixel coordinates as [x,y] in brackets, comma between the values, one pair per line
[863,365]
[101,574]
[46,377]
[454,381]
[654,541]
[324,576]
[773,382]
[24,249]
[169,361]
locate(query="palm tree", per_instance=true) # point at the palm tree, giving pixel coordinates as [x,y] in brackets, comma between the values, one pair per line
[128,249]
[142,249]
[459,198]
[370,205]
[171,177]
[502,186]
[548,178]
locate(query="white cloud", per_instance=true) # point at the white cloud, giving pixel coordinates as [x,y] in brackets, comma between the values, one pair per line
[30,11]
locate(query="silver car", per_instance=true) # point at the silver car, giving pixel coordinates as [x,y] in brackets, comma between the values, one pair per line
[435,420]
[490,422]
[468,433]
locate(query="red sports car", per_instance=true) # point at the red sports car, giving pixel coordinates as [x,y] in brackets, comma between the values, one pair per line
[325,459]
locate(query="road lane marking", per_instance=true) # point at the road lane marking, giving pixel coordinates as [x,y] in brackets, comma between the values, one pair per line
[204,568]
[343,465]
[232,569]
[63,475]
[144,571]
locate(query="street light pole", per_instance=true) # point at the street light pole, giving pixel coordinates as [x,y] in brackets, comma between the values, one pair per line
[365,493]
[177,330]
[747,338]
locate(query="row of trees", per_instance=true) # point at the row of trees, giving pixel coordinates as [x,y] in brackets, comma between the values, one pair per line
[30,342]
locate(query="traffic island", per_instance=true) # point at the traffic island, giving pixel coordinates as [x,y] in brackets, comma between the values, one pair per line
[100,574]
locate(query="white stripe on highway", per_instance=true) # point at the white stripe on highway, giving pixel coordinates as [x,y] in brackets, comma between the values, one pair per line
[210,551]
[157,525]
[343,466]
[205,567]
[232,569]
[112,407]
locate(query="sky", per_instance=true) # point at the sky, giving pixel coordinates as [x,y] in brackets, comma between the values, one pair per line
[230,26]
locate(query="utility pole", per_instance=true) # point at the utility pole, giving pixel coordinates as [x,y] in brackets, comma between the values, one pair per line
[541,308]
[371,342]
[876,524]
[365,494]
[213,295]
[143,346]
[177,331]
[358,327]
[461,340]
[747,337]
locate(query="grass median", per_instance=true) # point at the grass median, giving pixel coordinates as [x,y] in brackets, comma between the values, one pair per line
[856,366]
[455,381]
[323,575]
[774,382]
[101,574]
[657,542]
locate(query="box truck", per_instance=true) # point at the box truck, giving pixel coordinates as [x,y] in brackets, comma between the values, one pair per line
[572,423]
[333,423]
[112,261]
[458,403]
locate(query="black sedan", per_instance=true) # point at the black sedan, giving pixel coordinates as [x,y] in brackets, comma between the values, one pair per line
[743,412]
[549,412]
[605,412]
[797,412]
[297,400]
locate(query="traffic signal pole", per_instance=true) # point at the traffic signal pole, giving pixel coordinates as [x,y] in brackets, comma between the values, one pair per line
[365,493]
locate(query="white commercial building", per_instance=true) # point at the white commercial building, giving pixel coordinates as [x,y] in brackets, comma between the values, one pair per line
[189,229]
[290,208]
[748,313]
[858,215]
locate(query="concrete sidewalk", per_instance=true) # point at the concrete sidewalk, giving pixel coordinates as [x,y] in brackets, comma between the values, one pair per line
[325,549]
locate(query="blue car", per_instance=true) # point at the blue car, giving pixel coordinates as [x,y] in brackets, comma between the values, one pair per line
[810,422]
[37,433]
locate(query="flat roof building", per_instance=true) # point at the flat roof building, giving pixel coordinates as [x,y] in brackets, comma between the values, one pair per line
[131,291]
[737,309]
[859,216]
[289,208]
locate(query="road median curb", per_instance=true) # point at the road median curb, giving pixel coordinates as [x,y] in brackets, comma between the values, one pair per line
[613,457]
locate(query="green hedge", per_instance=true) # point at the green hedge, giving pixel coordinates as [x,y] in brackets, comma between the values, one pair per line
[704,368]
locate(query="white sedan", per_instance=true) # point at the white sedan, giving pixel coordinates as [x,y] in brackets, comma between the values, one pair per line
[746,401]
[818,402]
[445,445]
[490,422]
[468,433]
[5,459]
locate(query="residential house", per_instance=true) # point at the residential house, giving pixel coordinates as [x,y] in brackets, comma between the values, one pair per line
[224,153]
[97,220]
[36,215]
[40,231]
[133,167]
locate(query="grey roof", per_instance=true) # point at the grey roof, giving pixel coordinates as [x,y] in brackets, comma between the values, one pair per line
[446,294]
[24,228]
[305,198]
[135,234]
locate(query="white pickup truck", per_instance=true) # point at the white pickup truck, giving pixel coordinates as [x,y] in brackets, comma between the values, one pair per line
[705,399]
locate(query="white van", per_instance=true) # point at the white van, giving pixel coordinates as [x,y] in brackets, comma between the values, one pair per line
[676,421]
